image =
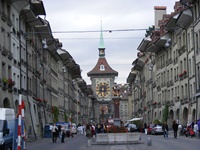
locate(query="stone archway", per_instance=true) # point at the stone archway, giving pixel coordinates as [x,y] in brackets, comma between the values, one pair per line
[185,116]
[6,103]
[16,106]
[160,115]
[155,115]
[177,114]
[170,117]
[194,115]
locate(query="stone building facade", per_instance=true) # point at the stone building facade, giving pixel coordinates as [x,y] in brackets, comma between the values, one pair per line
[34,64]
[166,71]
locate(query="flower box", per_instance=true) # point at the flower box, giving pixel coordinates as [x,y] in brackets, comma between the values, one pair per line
[154,103]
[11,82]
[39,99]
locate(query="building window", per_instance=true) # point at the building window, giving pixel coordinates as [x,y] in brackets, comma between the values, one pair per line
[102,67]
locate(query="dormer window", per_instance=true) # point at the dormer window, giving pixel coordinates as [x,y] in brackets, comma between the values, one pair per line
[102,67]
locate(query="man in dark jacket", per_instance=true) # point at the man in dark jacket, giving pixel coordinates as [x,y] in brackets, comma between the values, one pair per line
[175,128]
[165,130]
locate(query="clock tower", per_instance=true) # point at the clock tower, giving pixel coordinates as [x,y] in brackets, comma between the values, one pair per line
[102,78]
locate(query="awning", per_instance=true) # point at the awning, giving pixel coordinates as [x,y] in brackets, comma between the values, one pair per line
[143,44]
[184,19]
[136,119]
[171,24]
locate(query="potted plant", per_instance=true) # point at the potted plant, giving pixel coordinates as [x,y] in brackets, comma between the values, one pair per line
[4,80]
[11,82]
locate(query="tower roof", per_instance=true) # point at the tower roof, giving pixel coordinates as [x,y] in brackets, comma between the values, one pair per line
[102,68]
[101,43]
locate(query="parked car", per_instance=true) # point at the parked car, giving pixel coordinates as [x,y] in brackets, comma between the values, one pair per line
[132,128]
[157,129]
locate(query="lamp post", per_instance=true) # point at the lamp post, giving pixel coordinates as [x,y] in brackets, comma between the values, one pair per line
[102,109]
[64,71]
[116,99]
[150,67]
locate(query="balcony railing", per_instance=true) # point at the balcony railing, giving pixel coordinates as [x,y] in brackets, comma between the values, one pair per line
[4,51]
[4,16]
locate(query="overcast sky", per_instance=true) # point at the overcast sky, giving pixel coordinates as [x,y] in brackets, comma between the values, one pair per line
[86,15]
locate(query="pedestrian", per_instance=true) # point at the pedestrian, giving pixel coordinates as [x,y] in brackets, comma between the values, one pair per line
[192,124]
[175,128]
[93,130]
[72,131]
[196,129]
[83,129]
[59,130]
[145,128]
[177,120]
[99,128]
[88,131]
[54,133]
[105,128]
[63,131]
[165,129]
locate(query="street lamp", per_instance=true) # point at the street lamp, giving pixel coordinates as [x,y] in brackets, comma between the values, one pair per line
[150,67]
[103,109]
[64,71]
[116,98]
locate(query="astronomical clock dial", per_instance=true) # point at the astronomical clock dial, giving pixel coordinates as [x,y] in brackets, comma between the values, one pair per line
[103,89]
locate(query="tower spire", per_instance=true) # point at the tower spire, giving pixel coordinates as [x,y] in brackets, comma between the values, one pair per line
[101,44]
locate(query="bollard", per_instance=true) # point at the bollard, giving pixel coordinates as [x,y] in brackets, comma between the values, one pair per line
[149,142]
[140,137]
[88,144]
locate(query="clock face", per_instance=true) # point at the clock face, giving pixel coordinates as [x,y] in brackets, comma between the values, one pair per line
[102,89]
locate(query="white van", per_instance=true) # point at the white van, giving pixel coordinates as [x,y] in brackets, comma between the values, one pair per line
[7,126]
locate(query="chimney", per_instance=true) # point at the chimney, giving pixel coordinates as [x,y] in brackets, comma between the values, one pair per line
[159,12]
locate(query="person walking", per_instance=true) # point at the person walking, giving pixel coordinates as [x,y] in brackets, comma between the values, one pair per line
[196,130]
[175,128]
[165,130]
[145,128]
[54,133]
[63,131]
[72,131]
[88,131]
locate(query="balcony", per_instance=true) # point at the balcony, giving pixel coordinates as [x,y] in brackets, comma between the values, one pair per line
[4,51]
[158,88]
[182,50]
[154,85]
[3,16]
[10,88]
[10,55]
[9,22]
[4,86]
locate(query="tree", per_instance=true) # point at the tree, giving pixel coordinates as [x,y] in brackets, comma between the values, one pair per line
[66,117]
[165,113]
[55,112]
